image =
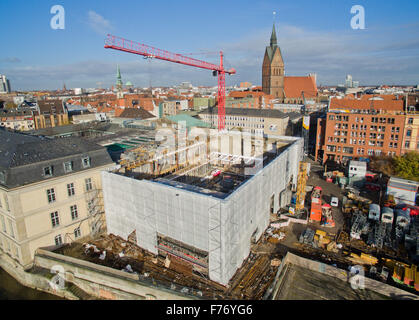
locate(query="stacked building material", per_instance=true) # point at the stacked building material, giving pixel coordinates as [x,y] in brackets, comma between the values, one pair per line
[307,237]
[359,226]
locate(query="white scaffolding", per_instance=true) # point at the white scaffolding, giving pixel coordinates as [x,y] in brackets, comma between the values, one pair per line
[221,226]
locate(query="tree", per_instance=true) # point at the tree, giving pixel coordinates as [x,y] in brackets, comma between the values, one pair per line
[407,166]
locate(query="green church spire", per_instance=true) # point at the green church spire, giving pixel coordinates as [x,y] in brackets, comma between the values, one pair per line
[273,37]
[119,83]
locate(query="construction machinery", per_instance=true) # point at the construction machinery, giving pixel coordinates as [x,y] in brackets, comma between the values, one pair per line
[327,217]
[316,205]
[121,44]
[301,187]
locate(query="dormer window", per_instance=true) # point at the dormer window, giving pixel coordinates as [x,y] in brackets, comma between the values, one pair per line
[48,171]
[68,166]
[85,162]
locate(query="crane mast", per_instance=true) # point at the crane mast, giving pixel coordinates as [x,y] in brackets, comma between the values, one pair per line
[121,44]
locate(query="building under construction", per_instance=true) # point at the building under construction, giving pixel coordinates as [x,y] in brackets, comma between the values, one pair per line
[204,201]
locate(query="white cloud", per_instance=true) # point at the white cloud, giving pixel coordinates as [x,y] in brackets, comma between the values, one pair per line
[10,60]
[98,23]
[371,57]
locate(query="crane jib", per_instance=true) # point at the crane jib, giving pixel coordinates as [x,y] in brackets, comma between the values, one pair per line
[121,44]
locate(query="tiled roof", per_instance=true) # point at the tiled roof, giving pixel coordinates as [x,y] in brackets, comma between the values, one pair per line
[22,157]
[135,113]
[51,106]
[294,86]
[366,102]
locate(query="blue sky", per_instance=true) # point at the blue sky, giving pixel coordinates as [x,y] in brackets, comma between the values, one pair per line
[315,36]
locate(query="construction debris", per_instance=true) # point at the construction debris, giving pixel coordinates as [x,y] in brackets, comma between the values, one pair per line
[249,283]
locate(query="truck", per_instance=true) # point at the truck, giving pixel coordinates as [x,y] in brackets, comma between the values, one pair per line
[327,218]
[316,204]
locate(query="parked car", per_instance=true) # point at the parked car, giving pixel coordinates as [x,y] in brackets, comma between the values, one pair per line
[334,202]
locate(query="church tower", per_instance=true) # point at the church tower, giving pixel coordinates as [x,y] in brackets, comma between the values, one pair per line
[273,69]
[119,84]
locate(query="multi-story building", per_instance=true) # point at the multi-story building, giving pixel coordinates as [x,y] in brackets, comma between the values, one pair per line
[19,120]
[4,84]
[203,204]
[256,121]
[411,133]
[357,128]
[50,192]
[51,114]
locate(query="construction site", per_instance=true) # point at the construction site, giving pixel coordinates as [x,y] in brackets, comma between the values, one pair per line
[205,202]
[185,267]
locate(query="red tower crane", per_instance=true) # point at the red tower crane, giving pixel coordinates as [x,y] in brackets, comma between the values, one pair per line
[121,44]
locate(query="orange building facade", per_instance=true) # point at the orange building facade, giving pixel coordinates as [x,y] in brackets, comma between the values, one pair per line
[361,128]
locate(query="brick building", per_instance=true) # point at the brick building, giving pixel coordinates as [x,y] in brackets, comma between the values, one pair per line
[361,127]
[286,89]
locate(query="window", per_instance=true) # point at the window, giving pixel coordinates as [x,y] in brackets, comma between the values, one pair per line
[58,240]
[91,203]
[74,212]
[407,144]
[51,195]
[12,231]
[410,121]
[55,219]
[77,233]
[70,189]
[68,166]
[89,185]
[85,162]
[409,133]
[48,171]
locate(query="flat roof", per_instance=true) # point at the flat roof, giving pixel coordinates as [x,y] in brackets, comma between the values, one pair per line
[300,283]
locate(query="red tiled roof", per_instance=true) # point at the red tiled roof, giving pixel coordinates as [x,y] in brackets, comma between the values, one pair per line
[294,86]
[389,102]
[118,112]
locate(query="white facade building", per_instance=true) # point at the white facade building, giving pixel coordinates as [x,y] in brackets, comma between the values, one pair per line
[215,229]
